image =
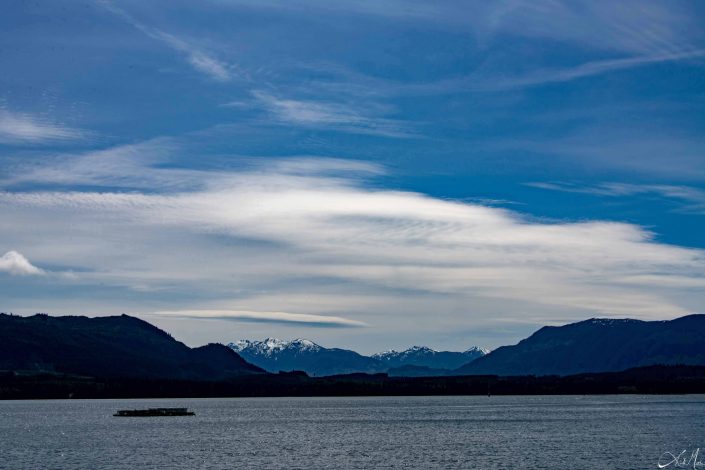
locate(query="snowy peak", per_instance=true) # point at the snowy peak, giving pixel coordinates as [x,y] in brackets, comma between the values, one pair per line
[610,321]
[477,350]
[276,355]
[426,351]
[272,346]
[303,344]
[427,357]
[412,350]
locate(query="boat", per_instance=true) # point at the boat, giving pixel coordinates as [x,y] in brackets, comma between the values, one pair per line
[156,412]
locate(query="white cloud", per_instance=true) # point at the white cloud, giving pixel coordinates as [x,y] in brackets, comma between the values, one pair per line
[21,128]
[285,228]
[265,317]
[16,264]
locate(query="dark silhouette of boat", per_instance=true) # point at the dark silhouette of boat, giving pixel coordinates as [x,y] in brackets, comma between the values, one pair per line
[156,412]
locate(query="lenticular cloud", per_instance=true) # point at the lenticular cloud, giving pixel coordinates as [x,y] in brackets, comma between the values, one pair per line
[274,228]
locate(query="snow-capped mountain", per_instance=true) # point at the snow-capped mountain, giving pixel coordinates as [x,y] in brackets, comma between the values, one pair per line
[427,357]
[272,346]
[276,355]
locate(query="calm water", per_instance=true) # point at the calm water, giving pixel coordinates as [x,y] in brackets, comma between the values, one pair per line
[621,432]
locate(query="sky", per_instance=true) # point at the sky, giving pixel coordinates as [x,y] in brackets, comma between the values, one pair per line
[366,174]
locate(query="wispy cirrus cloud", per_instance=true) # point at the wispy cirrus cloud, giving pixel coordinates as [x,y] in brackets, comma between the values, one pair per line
[692,199]
[673,154]
[491,80]
[631,34]
[638,27]
[118,166]
[544,76]
[23,128]
[322,321]
[199,59]
[16,264]
[321,114]
[635,26]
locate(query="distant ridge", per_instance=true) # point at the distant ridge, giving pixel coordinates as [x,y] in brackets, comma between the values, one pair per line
[422,356]
[276,355]
[598,345]
[110,347]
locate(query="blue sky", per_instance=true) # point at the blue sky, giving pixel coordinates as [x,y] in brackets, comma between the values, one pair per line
[367,174]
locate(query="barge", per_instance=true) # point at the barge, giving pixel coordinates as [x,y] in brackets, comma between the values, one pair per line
[156,412]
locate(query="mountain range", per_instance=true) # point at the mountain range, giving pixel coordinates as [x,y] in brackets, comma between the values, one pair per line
[595,345]
[117,346]
[422,356]
[276,355]
[127,347]
[598,345]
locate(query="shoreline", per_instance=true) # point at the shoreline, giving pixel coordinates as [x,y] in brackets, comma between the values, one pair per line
[651,380]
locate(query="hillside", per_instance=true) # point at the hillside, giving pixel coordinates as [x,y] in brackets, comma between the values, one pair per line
[110,347]
[598,345]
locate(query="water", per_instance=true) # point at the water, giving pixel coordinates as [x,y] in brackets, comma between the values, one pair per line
[603,432]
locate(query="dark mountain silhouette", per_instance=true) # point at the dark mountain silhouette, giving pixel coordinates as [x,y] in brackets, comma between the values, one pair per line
[598,345]
[418,371]
[110,347]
